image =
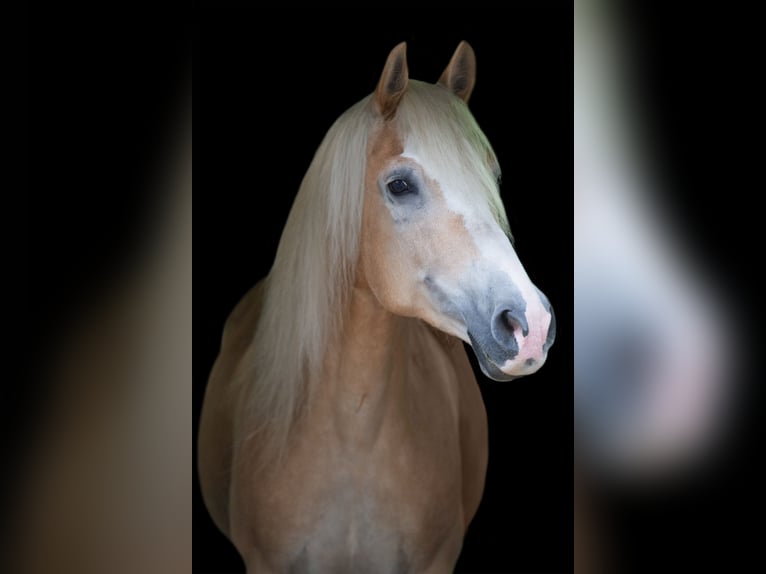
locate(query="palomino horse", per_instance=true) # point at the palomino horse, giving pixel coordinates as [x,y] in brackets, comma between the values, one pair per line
[342,428]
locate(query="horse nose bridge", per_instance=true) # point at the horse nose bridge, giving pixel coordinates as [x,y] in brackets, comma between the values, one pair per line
[519,292]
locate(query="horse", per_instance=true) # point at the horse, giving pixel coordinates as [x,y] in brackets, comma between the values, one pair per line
[342,427]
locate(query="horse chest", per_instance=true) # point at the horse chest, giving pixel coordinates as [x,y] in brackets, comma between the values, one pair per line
[390,509]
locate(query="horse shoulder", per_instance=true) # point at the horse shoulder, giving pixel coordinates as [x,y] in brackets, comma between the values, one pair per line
[215,439]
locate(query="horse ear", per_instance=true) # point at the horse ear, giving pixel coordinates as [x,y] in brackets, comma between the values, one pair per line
[393,82]
[460,75]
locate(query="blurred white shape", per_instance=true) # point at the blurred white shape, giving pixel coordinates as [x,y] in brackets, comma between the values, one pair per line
[654,346]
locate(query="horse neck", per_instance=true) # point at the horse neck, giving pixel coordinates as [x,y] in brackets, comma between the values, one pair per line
[365,373]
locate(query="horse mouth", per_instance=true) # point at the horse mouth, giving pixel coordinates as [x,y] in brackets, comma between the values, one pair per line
[487,365]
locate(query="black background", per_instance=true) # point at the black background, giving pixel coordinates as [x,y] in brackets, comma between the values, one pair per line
[268,105]
[103,89]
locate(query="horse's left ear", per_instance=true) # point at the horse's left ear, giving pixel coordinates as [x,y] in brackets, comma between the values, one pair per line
[393,82]
[460,75]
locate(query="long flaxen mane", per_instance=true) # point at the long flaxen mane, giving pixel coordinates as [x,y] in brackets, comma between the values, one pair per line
[306,294]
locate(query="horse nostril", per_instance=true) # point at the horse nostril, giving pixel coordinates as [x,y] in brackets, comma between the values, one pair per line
[510,323]
[505,323]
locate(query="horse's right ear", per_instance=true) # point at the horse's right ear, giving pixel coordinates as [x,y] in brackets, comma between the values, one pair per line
[393,82]
[460,75]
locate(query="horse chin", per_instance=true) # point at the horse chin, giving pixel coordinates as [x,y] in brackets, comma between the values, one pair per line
[488,367]
[493,372]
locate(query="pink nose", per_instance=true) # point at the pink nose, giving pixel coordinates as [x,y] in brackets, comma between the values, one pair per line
[526,346]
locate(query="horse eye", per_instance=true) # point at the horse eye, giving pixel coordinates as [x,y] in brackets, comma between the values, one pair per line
[398,187]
